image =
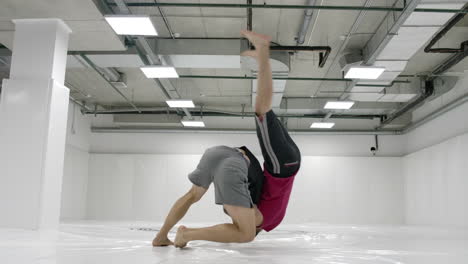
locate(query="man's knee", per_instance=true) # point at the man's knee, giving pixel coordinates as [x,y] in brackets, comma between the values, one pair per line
[243,220]
[246,237]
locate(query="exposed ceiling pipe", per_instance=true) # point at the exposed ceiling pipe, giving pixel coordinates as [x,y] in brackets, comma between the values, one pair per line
[112,74]
[270,6]
[433,115]
[427,92]
[453,21]
[152,58]
[286,78]
[376,147]
[451,61]
[187,113]
[327,116]
[208,112]
[83,106]
[305,23]
[166,22]
[249,16]
[249,21]
[236,131]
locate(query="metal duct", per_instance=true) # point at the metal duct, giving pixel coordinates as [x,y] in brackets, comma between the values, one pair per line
[453,21]
[410,37]
[396,48]
[427,91]
[147,120]
[305,23]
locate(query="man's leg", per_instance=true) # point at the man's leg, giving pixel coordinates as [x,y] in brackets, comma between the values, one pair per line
[242,229]
[178,210]
[282,156]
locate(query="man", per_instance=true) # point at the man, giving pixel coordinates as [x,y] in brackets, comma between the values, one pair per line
[254,200]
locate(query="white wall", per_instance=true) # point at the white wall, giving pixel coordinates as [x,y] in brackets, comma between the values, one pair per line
[75,177]
[328,189]
[436,168]
[436,184]
[137,176]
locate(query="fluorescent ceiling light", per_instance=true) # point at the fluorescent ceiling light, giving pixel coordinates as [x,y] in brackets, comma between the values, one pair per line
[180,103]
[159,72]
[193,123]
[322,125]
[339,105]
[132,25]
[364,72]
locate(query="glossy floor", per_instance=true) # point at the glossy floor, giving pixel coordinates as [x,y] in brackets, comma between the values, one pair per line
[93,242]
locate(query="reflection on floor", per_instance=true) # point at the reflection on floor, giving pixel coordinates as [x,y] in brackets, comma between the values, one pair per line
[93,242]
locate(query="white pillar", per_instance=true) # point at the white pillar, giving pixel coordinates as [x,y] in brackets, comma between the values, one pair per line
[33,120]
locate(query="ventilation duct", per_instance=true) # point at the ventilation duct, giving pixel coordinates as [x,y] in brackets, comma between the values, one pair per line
[398,93]
[204,61]
[413,34]
[132,120]
[107,61]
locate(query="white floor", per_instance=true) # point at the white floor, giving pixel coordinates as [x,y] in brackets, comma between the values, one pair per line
[93,242]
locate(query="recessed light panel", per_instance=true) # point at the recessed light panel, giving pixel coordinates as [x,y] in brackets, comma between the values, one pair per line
[364,73]
[322,125]
[193,123]
[180,103]
[339,105]
[132,25]
[159,72]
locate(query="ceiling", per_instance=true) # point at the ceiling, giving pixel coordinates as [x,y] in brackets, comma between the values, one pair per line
[328,28]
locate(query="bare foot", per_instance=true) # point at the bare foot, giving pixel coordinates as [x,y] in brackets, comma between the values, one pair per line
[258,40]
[161,242]
[180,241]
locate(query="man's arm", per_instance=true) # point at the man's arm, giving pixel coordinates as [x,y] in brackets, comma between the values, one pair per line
[265,82]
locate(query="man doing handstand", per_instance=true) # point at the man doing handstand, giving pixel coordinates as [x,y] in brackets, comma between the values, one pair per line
[255,200]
